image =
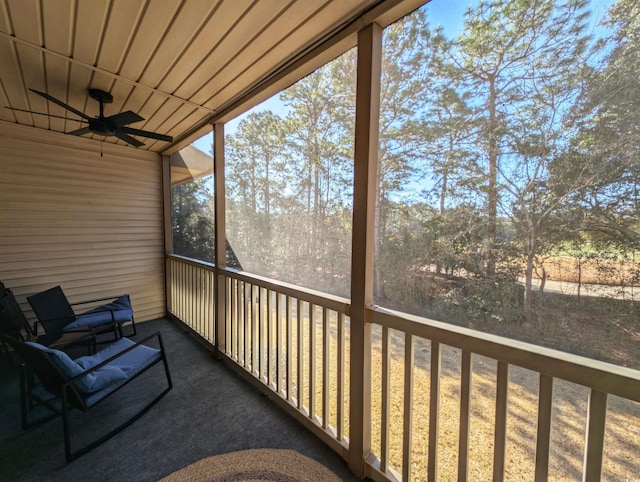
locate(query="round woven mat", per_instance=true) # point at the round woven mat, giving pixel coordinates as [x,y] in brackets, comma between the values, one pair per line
[255,465]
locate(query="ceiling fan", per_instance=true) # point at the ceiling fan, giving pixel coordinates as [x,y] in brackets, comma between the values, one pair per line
[113,125]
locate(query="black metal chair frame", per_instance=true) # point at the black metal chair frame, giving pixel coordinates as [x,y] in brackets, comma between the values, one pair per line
[64,313]
[36,362]
[14,323]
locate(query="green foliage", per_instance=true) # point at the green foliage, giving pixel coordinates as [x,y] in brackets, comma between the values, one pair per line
[192,220]
[480,300]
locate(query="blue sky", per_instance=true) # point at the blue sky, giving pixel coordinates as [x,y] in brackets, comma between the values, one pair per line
[447,13]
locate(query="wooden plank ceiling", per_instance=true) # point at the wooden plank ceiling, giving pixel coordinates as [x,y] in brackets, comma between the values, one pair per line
[174,62]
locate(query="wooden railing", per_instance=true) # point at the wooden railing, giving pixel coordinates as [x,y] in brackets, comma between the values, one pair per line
[291,340]
[190,294]
[496,363]
[427,377]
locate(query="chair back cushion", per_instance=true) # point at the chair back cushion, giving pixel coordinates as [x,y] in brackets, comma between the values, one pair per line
[51,304]
[118,311]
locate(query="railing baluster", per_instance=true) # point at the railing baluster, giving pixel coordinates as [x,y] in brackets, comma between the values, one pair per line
[501,421]
[186,306]
[434,411]
[252,330]
[594,443]
[407,445]
[278,360]
[325,369]
[385,402]
[246,355]
[289,341]
[195,307]
[312,361]
[180,294]
[208,305]
[181,282]
[238,310]
[180,303]
[237,321]
[234,316]
[230,311]
[212,308]
[240,324]
[255,336]
[545,399]
[269,341]
[465,404]
[191,304]
[300,341]
[260,332]
[340,378]
[201,301]
[255,342]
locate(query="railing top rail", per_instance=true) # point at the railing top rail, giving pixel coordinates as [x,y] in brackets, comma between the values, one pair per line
[194,262]
[332,302]
[597,375]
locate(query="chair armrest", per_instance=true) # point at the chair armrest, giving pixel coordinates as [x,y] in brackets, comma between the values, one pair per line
[157,334]
[55,322]
[86,302]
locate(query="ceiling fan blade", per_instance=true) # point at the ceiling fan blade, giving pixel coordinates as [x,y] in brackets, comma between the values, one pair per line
[124,118]
[128,139]
[79,132]
[151,135]
[43,113]
[61,104]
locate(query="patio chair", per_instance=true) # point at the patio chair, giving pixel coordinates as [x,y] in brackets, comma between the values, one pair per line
[84,382]
[14,323]
[52,304]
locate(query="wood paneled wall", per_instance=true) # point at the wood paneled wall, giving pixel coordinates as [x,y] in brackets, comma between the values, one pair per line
[83,214]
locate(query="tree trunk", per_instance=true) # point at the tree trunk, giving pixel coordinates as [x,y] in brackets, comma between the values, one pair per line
[492,188]
[532,245]
[528,281]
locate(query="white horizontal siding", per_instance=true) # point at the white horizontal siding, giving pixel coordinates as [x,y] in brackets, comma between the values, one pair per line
[90,223]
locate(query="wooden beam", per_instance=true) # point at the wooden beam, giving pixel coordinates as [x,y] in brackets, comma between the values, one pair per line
[220,234]
[364,199]
[168,231]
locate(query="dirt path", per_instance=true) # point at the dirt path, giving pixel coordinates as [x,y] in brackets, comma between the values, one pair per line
[630,293]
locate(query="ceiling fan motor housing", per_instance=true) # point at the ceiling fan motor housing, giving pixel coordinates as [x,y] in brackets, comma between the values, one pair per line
[102,127]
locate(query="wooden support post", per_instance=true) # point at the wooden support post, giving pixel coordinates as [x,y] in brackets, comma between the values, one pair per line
[221,236]
[168,232]
[364,199]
